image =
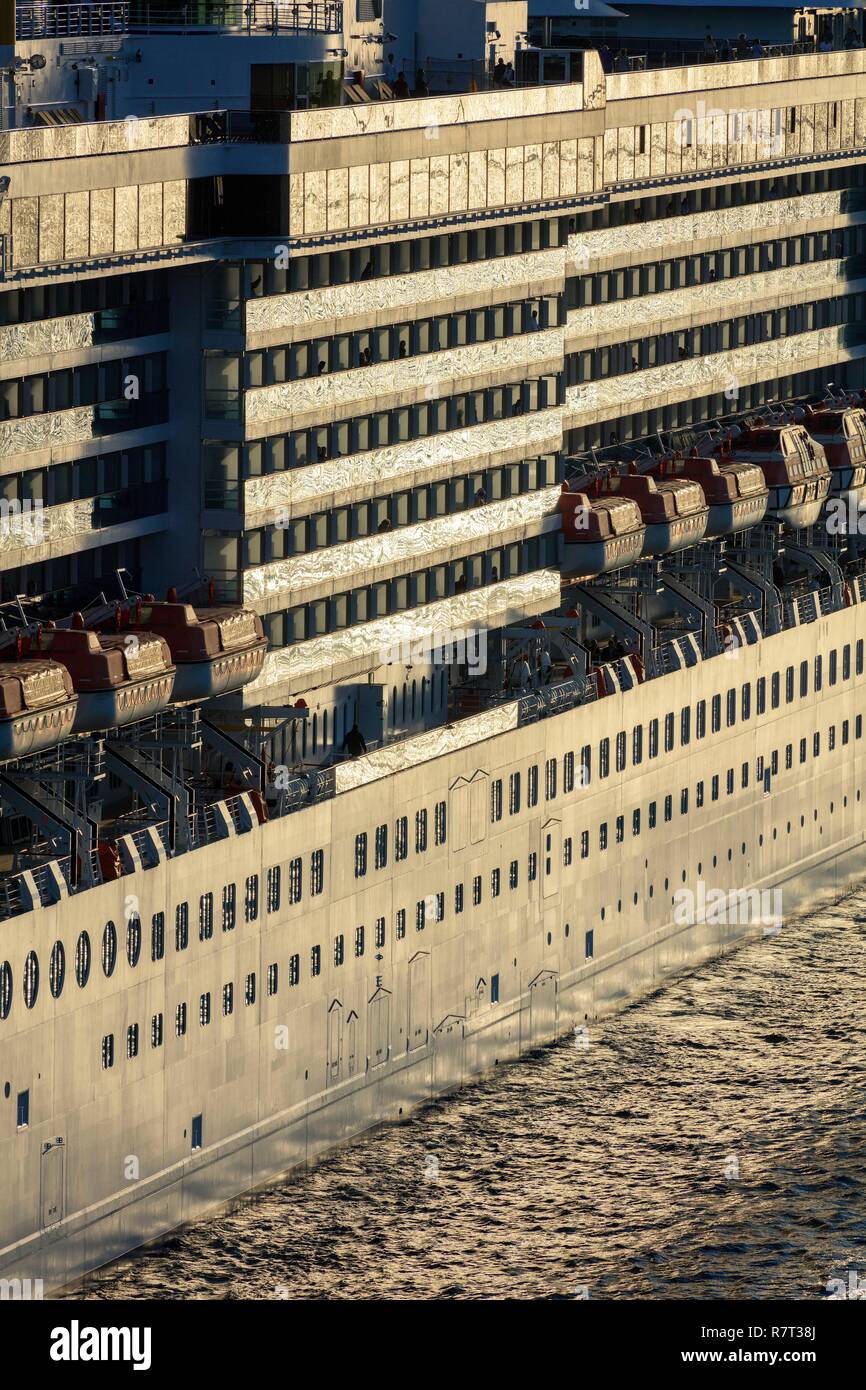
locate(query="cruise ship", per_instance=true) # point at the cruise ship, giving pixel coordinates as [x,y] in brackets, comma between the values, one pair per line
[433,459]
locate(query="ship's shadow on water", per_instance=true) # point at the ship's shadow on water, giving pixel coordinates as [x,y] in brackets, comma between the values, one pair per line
[704,1143]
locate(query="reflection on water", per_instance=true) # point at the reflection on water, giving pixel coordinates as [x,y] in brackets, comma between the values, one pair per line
[706,1143]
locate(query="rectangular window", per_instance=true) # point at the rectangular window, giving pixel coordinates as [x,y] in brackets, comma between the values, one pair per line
[476,890]
[157,936]
[532,788]
[229,908]
[273,978]
[685,725]
[789,685]
[684,801]
[494,989]
[251,898]
[228,999]
[204,1008]
[652,815]
[156,1030]
[775,691]
[532,867]
[568,773]
[458,898]
[602,835]
[804,679]
[604,757]
[196,1139]
[669,732]
[729,781]
[585,773]
[181,926]
[317,871]
[550,779]
[731,708]
[566,851]
[382,846]
[716,714]
[620,751]
[701,719]
[380,933]
[620,829]
[420,831]
[250,988]
[316,961]
[819,679]
[584,844]
[832,672]
[205,917]
[496,800]
[361,854]
[744,778]
[339,949]
[274,889]
[107,1053]
[22,1107]
[400,923]
[495,883]
[699,795]
[296,880]
[514,794]
[512,874]
[714,787]
[587,946]
[746,701]
[359,941]
[669,807]
[401,838]
[180,1020]
[440,823]
[761,695]
[816,745]
[654,738]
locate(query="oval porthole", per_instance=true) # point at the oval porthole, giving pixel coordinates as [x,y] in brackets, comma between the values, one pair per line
[109,950]
[82,960]
[57,969]
[31,979]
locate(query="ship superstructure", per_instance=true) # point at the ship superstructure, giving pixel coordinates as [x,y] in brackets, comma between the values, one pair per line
[417,570]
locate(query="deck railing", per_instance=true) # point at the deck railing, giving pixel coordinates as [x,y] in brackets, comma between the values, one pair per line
[149,16]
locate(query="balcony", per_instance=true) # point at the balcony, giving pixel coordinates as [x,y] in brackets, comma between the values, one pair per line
[201,16]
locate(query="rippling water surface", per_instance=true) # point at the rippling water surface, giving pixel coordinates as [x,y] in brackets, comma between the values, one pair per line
[708,1143]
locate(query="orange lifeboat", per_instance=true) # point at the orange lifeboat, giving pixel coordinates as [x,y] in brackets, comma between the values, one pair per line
[600,534]
[37,706]
[215,650]
[673,510]
[794,466]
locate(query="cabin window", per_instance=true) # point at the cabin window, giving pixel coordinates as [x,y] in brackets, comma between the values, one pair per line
[107,1051]
[204,1009]
[496,799]
[132,1041]
[458,898]
[361,854]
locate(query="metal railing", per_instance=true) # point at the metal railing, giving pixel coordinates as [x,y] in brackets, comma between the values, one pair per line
[239,127]
[147,16]
[722,52]
[70,21]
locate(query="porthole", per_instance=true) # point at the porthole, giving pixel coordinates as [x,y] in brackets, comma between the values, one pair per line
[602,914]
[700,868]
[815,814]
[775,832]
[133,939]
[831,808]
[802,821]
[652,890]
[730,854]
[109,950]
[549,938]
[82,960]
[31,979]
[634,899]
[567,929]
[684,875]
[619,904]
[715,860]
[667,884]
[743,847]
[56,969]
[789,827]
[5,989]
[760,840]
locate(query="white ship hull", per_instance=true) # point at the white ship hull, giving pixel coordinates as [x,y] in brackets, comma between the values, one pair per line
[280,1082]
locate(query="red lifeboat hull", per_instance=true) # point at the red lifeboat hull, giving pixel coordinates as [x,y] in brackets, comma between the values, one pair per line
[37,706]
[214,650]
[600,534]
[118,677]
